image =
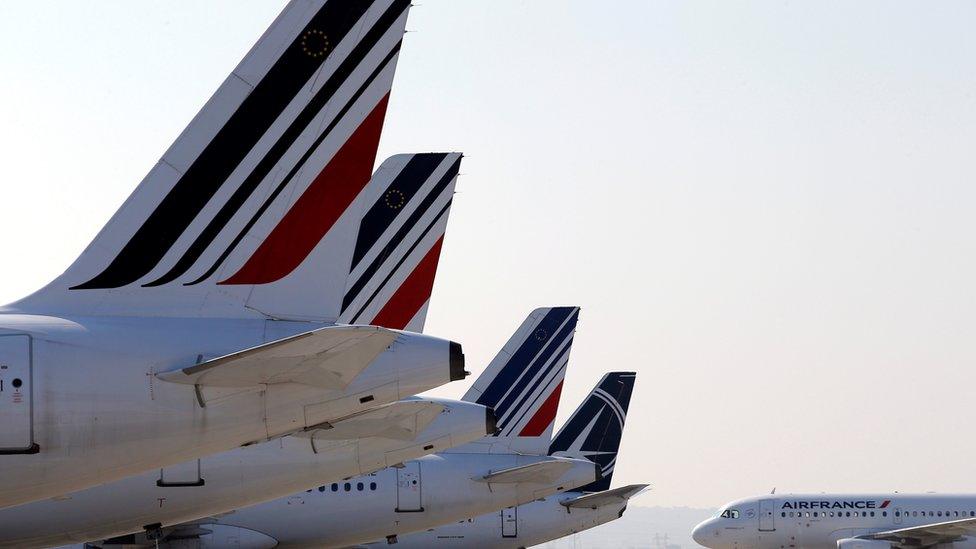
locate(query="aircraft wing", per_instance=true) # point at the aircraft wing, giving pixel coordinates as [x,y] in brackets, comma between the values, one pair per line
[540,472]
[329,358]
[606,497]
[402,420]
[927,535]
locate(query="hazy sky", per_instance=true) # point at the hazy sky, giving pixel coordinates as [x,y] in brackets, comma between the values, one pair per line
[766,209]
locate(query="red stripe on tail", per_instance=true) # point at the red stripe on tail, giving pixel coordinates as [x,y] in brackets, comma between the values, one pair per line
[544,416]
[319,207]
[412,294]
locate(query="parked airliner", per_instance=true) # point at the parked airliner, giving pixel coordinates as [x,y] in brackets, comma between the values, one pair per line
[593,431]
[238,294]
[843,521]
[523,382]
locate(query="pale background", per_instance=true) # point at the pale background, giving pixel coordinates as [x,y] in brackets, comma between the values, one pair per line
[765,208]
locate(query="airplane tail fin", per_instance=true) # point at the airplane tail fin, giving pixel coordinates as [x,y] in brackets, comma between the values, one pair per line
[524,380]
[252,201]
[594,430]
[398,243]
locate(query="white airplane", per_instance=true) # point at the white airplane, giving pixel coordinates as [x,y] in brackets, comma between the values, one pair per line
[229,300]
[363,443]
[594,432]
[843,521]
[523,382]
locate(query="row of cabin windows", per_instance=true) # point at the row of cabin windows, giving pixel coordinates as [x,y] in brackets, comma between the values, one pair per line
[937,513]
[825,514]
[347,487]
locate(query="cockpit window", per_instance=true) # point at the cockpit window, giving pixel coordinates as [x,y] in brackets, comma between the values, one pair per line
[730,513]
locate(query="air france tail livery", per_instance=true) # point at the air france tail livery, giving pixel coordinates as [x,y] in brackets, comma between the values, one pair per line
[354,445]
[843,521]
[593,431]
[203,316]
[480,477]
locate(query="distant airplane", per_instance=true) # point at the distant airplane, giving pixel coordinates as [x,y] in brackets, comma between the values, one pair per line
[843,521]
[211,311]
[522,383]
[594,431]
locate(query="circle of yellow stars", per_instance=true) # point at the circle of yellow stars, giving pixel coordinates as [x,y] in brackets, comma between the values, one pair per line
[541,334]
[394,199]
[315,43]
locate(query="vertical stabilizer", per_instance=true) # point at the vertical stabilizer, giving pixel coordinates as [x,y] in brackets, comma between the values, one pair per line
[524,380]
[253,211]
[594,430]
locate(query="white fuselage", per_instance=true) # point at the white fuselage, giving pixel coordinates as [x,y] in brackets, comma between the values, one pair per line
[818,521]
[422,494]
[227,481]
[99,414]
[513,527]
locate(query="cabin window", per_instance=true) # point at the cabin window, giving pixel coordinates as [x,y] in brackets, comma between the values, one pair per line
[783,514]
[359,486]
[321,488]
[849,514]
[335,487]
[885,513]
[347,486]
[872,513]
[372,486]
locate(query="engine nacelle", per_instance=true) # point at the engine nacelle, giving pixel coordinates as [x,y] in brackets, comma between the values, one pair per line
[853,543]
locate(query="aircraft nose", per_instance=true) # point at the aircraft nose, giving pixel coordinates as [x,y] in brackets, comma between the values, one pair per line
[700,534]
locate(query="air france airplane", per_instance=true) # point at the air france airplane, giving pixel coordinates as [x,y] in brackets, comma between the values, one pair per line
[236,295]
[594,432]
[378,438]
[843,521]
[523,383]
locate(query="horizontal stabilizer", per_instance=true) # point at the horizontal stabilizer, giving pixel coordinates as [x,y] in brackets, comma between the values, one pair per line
[606,497]
[539,472]
[329,358]
[402,420]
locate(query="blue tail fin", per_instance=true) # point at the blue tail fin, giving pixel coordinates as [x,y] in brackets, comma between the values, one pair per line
[593,431]
[523,382]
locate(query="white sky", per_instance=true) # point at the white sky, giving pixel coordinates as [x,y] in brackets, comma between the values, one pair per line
[766,209]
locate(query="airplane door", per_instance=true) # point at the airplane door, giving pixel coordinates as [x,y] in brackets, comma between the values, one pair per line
[16,396]
[409,488]
[510,522]
[767,515]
